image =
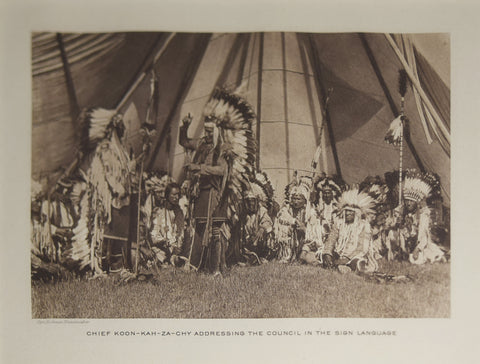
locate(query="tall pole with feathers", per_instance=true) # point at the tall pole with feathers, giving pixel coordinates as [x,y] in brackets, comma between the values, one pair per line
[402,89]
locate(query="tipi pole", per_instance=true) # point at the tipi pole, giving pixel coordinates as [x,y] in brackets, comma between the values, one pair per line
[285,106]
[322,95]
[243,61]
[183,88]
[72,96]
[259,97]
[316,132]
[79,157]
[140,78]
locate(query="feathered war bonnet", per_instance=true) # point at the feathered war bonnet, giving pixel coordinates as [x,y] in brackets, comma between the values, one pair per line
[157,185]
[255,191]
[299,186]
[97,123]
[36,190]
[418,186]
[228,110]
[328,183]
[260,189]
[377,189]
[357,201]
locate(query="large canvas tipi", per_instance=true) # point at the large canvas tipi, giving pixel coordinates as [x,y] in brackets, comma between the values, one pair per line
[335,94]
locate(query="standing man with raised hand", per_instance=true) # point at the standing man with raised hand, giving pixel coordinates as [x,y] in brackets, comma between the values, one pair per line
[222,165]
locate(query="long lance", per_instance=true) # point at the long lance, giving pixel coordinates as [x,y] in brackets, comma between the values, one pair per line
[402,89]
[192,222]
[146,148]
[400,169]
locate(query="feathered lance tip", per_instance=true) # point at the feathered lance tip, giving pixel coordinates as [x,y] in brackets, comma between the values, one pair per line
[402,82]
[394,132]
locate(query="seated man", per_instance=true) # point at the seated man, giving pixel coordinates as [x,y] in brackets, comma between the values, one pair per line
[415,228]
[349,245]
[298,232]
[257,226]
[383,233]
[45,249]
[167,229]
[327,194]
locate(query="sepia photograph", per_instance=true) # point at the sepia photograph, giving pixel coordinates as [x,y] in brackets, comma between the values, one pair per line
[266,181]
[250,175]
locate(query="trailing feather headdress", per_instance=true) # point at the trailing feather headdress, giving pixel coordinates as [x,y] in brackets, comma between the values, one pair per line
[267,186]
[355,200]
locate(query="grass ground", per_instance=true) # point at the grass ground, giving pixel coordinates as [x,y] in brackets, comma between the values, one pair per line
[272,290]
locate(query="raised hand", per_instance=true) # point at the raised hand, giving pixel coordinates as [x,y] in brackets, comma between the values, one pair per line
[187,120]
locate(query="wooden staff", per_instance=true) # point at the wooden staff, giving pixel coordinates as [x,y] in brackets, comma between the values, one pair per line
[192,221]
[206,233]
[401,159]
[139,206]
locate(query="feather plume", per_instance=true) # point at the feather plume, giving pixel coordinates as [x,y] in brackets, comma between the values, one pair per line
[394,133]
[78,255]
[36,190]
